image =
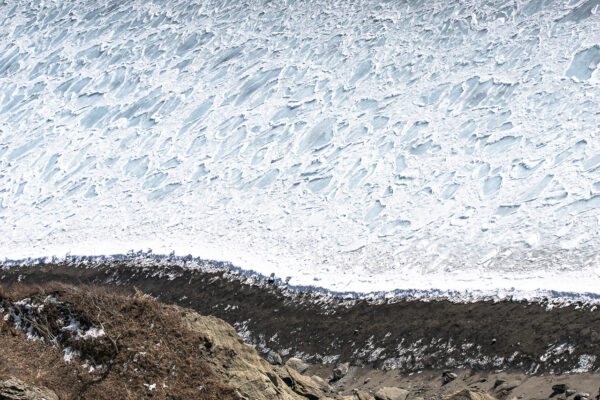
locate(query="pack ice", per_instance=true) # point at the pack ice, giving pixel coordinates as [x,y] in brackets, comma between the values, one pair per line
[357,146]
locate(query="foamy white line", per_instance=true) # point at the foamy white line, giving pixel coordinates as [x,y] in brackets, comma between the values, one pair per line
[458,286]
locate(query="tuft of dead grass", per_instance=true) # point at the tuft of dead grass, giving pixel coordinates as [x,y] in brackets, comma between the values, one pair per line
[143,351]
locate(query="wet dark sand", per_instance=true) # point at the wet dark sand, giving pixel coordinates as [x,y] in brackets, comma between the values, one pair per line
[404,335]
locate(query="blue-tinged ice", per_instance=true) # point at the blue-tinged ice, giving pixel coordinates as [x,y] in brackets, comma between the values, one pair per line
[137,167]
[491,185]
[584,63]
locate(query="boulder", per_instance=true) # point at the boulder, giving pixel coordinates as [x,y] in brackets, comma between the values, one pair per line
[362,395]
[16,389]
[581,396]
[470,395]
[323,385]
[570,392]
[297,364]
[391,393]
[560,388]
[448,376]
[302,385]
[340,371]
[275,358]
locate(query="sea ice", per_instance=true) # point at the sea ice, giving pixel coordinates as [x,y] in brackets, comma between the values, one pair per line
[441,136]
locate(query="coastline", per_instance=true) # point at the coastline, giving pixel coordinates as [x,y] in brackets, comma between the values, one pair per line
[564,289]
[403,334]
[118,345]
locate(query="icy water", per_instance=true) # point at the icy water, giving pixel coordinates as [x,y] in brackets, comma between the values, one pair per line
[351,145]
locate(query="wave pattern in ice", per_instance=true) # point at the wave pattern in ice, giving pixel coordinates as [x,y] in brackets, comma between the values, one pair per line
[351,144]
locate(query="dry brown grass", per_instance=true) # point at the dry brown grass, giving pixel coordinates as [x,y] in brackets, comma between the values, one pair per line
[144,344]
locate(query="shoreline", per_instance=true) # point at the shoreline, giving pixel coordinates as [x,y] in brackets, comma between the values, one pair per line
[117,345]
[463,293]
[389,334]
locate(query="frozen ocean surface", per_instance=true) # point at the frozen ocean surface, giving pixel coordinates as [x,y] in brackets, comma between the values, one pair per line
[350,145]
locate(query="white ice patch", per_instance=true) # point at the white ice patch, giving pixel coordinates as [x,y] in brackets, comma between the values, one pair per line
[586,363]
[150,387]
[353,145]
[243,331]
[26,314]
[555,350]
[22,313]
[79,333]
[70,354]
[331,359]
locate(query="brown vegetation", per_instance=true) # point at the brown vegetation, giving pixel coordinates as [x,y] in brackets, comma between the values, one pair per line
[139,349]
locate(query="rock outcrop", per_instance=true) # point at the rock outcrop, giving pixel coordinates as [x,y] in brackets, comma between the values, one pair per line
[15,389]
[238,363]
[391,393]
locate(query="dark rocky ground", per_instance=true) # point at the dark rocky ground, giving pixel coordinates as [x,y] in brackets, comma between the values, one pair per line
[408,335]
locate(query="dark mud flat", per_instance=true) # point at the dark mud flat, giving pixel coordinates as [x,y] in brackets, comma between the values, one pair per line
[408,335]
